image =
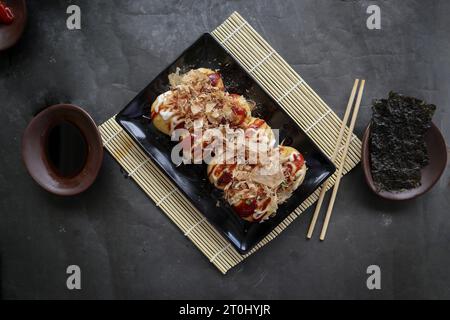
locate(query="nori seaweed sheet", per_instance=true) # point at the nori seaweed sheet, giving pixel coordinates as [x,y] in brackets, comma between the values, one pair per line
[397,145]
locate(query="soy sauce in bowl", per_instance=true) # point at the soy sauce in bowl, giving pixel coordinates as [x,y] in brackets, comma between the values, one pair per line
[62,149]
[66,149]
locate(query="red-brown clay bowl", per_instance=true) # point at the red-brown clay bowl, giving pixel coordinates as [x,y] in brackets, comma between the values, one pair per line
[35,156]
[10,34]
[437,151]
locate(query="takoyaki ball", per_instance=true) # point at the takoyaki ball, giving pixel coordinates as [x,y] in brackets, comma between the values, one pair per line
[164,117]
[252,202]
[294,171]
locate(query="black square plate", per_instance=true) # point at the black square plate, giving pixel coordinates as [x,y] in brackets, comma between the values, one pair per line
[192,179]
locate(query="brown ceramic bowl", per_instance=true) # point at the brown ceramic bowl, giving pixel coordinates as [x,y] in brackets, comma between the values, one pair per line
[10,34]
[35,156]
[437,151]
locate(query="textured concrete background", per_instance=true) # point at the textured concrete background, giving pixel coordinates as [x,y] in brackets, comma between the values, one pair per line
[125,246]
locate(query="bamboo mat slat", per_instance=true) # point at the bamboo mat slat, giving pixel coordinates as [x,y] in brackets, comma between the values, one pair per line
[287,87]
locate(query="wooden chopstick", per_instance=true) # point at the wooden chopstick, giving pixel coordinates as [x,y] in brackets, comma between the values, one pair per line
[344,158]
[333,158]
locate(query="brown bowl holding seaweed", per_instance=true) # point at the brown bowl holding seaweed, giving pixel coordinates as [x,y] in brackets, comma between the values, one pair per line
[437,151]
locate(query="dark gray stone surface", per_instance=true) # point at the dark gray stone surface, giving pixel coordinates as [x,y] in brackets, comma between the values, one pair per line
[125,246]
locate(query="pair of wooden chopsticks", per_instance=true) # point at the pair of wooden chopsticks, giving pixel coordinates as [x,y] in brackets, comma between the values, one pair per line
[334,157]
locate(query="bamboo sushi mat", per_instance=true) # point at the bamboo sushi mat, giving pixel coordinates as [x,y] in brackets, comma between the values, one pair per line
[275,75]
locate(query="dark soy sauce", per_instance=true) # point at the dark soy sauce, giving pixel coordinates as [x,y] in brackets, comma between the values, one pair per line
[66,149]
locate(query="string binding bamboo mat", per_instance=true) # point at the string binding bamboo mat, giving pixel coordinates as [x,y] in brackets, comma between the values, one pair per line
[275,75]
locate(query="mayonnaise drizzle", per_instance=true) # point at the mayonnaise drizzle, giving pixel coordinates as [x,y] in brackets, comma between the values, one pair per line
[166,114]
[160,100]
